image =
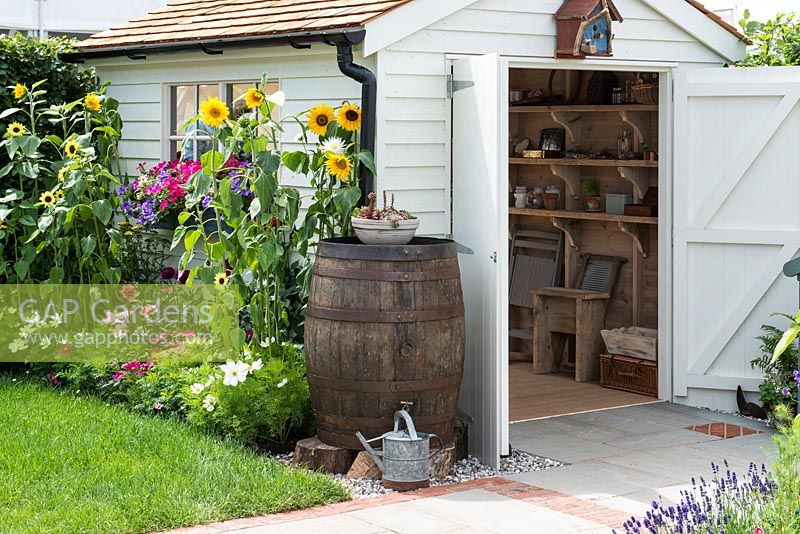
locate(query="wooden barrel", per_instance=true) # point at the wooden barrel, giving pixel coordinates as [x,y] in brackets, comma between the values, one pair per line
[384,326]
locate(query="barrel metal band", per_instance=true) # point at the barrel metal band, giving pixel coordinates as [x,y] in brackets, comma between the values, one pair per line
[448,273]
[386,316]
[361,423]
[365,386]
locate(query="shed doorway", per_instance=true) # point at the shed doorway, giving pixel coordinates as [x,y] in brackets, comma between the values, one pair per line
[583,239]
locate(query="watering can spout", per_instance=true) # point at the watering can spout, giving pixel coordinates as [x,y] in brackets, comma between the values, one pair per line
[372,452]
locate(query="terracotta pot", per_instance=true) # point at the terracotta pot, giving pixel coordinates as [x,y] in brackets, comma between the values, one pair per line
[551,201]
[371,232]
[591,203]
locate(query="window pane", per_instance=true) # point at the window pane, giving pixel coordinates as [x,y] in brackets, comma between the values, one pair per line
[235,93]
[208,91]
[184,107]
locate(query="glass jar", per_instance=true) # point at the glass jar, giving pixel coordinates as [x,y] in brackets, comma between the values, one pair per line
[537,202]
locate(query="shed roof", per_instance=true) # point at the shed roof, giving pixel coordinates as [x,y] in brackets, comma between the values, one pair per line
[582,9]
[198,21]
[204,20]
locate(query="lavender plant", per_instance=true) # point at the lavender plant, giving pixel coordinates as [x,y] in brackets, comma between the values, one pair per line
[724,505]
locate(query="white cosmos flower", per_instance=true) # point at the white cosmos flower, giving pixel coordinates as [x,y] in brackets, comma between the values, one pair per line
[334,145]
[278,98]
[256,365]
[197,388]
[209,403]
[283,382]
[235,373]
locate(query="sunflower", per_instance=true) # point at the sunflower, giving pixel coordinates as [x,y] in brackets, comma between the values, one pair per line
[92,102]
[48,198]
[214,112]
[2,225]
[15,129]
[62,173]
[253,98]
[220,279]
[319,117]
[59,194]
[72,148]
[19,91]
[339,166]
[349,117]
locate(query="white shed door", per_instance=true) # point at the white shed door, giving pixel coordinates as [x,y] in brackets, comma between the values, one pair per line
[480,226]
[736,221]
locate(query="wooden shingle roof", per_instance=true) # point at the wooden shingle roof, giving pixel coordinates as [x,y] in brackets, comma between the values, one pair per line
[215,20]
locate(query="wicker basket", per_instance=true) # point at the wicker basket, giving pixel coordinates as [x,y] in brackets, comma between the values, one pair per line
[629,374]
[646,93]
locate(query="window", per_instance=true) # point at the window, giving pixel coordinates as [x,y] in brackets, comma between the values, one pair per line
[194,140]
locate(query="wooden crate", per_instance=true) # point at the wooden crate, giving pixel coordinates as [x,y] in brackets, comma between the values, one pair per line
[629,374]
[640,343]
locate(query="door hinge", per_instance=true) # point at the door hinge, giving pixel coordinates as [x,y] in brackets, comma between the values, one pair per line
[454,86]
[493,257]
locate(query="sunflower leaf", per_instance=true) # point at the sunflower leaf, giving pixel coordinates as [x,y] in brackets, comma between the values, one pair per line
[8,112]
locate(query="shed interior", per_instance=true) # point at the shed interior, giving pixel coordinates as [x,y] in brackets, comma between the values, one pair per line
[578,134]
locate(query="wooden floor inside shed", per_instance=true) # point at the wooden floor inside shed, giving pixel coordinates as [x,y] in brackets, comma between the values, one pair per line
[534,396]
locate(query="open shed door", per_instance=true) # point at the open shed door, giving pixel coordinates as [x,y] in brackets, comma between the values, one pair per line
[736,190]
[480,226]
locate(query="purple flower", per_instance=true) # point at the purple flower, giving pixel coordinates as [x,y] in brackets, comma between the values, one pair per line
[169,273]
[785,392]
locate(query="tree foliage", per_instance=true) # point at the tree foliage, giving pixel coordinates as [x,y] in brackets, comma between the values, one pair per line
[775,42]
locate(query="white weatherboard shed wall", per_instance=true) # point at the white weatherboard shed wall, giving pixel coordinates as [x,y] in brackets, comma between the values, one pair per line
[411,50]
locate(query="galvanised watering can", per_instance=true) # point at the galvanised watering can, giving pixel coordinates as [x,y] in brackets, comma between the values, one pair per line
[404,460]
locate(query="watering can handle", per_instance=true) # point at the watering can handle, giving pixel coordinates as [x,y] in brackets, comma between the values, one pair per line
[372,452]
[409,423]
[441,446]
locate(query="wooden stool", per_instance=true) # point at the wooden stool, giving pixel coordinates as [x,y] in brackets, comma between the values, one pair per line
[559,313]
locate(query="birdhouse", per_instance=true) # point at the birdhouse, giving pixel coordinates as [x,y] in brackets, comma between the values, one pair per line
[585,28]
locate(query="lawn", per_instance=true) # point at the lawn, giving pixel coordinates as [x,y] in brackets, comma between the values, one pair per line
[72,464]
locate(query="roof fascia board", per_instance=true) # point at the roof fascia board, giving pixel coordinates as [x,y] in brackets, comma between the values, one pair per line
[701,27]
[406,20]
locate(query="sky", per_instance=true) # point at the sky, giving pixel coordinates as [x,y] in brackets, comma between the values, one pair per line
[760,10]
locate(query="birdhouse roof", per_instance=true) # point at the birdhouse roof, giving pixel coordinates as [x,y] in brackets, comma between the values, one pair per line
[584,9]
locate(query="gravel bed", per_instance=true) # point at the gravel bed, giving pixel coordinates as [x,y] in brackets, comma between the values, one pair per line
[462,471]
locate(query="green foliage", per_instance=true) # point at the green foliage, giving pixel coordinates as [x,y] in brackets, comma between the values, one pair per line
[775,42]
[27,60]
[72,464]
[778,372]
[56,214]
[272,404]
[590,188]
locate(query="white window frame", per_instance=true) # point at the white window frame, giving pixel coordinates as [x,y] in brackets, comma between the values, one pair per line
[169,136]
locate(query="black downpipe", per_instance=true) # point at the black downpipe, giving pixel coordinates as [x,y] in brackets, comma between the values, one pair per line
[369,97]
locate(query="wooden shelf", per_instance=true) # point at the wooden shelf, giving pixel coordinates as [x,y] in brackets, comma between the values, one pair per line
[638,228]
[610,108]
[585,162]
[583,215]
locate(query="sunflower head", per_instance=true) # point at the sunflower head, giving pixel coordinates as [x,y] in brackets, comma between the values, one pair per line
[59,194]
[339,166]
[48,198]
[214,112]
[253,98]
[62,173]
[72,148]
[19,91]
[349,117]
[2,225]
[319,117]
[220,279]
[15,129]
[92,102]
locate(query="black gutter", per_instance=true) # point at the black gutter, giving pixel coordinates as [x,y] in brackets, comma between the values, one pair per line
[211,46]
[369,96]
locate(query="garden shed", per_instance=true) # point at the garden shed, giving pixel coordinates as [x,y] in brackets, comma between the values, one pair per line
[471,104]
